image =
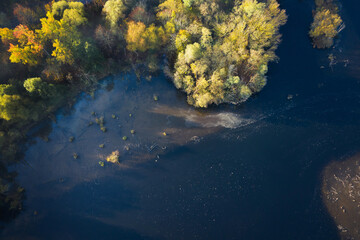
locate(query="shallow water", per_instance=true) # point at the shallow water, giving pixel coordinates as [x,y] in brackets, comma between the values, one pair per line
[341,194]
[251,171]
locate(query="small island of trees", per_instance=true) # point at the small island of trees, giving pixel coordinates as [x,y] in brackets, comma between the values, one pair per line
[215,51]
[326,25]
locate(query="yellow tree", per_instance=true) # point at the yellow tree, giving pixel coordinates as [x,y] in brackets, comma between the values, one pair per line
[139,38]
[24,45]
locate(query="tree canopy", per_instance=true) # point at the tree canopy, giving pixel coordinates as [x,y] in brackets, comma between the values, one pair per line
[326,25]
[221,57]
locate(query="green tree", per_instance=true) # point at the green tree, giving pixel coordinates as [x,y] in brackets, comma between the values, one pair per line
[114,12]
[36,87]
[222,57]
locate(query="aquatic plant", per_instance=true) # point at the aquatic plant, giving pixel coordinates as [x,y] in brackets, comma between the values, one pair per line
[101,163]
[113,116]
[71,139]
[100,121]
[101,145]
[124,138]
[156,98]
[164,134]
[113,157]
[132,131]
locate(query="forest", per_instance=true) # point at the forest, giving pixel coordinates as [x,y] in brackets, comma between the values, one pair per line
[214,51]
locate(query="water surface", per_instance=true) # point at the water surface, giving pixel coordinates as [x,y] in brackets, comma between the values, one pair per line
[251,171]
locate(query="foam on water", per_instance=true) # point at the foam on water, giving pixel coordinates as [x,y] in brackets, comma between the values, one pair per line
[224,119]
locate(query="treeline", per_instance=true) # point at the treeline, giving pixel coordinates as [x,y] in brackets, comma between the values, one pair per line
[326,25]
[216,51]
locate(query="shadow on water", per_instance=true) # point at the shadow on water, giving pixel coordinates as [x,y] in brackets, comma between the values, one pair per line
[251,171]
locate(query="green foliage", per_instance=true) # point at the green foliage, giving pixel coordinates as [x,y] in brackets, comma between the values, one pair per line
[36,87]
[223,57]
[58,9]
[192,52]
[182,39]
[14,107]
[68,43]
[71,12]
[114,12]
[188,3]
[7,89]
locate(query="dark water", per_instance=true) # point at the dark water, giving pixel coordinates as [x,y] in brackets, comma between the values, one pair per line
[253,172]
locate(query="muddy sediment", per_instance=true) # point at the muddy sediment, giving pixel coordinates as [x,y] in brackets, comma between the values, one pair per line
[341,195]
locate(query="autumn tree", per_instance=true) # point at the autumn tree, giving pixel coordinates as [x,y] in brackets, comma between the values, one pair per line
[24,45]
[25,15]
[324,28]
[141,38]
[221,57]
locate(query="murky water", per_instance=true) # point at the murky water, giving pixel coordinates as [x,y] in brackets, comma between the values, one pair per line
[341,194]
[252,171]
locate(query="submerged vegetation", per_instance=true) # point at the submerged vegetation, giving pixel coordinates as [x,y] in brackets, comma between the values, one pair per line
[326,25]
[113,157]
[215,51]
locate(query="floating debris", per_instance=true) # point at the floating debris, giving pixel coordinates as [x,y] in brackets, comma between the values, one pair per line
[93,113]
[71,139]
[101,145]
[90,123]
[195,139]
[132,131]
[101,163]
[103,129]
[124,138]
[130,115]
[113,116]
[164,134]
[113,157]
[75,156]
[127,148]
[156,98]
[290,96]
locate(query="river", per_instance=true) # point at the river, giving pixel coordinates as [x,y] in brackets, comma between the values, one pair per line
[252,171]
